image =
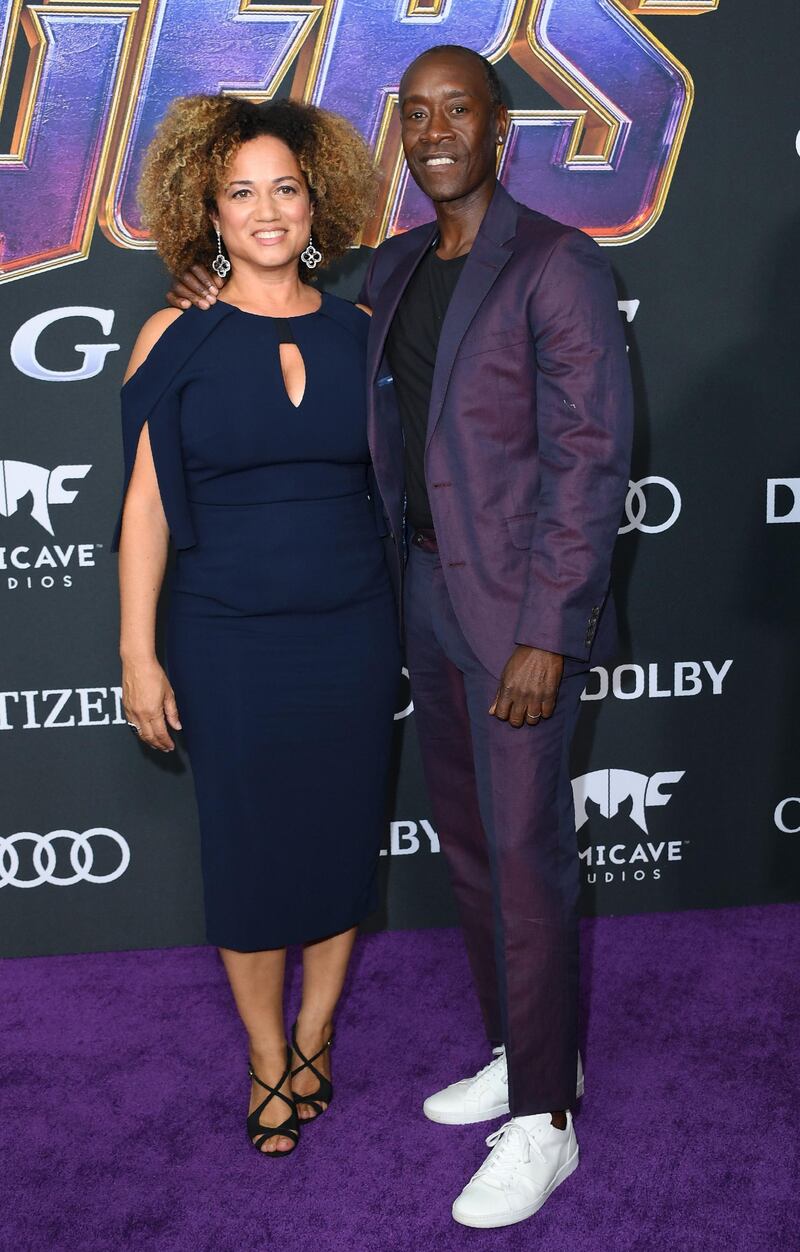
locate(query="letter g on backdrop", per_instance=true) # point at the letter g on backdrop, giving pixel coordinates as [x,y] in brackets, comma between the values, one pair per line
[25,341]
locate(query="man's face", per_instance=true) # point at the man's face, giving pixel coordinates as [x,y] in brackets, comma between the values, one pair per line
[449,125]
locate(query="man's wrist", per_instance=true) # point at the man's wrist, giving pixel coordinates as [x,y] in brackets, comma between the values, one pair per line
[535,647]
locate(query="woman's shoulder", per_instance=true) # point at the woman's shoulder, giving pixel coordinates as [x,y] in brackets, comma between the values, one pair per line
[149,336]
[168,340]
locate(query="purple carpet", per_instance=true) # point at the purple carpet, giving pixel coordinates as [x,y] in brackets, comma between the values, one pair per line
[124,1086]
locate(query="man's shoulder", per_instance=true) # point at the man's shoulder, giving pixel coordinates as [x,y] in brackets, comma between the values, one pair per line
[388,257]
[393,249]
[536,230]
[407,240]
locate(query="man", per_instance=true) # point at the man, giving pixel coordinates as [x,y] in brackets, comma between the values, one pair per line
[500,426]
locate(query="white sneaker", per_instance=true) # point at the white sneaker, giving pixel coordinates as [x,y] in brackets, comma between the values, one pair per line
[529,1159]
[476,1099]
[481,1098]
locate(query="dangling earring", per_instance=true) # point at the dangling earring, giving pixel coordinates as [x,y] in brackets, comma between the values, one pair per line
[312,256]
[220,265]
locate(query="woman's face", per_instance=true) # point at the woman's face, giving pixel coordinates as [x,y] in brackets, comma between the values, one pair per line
[263,207]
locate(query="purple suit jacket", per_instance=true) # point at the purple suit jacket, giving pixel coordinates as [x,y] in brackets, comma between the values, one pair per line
[529,431]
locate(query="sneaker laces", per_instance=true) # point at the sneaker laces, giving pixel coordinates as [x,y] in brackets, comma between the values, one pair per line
[511,1146]
[483,1075]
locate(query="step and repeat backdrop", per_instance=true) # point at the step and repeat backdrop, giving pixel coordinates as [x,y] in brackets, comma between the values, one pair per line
[668,130]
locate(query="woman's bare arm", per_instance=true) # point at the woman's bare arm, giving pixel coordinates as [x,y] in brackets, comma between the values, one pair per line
[147,695]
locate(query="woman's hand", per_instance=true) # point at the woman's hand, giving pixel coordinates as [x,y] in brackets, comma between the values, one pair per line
[149,703]
[195,286]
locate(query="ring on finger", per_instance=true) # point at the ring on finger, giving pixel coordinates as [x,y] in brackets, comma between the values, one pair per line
[533,717]
[136,729]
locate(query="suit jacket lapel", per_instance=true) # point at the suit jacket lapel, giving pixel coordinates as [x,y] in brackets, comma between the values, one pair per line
[490,252]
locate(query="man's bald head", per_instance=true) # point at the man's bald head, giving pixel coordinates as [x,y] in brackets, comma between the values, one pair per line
[493,84]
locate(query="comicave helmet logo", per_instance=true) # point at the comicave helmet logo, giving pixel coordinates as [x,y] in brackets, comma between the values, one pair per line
[19,479]
[611,788]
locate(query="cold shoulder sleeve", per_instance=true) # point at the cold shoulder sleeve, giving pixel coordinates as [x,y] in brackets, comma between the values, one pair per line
[152,396]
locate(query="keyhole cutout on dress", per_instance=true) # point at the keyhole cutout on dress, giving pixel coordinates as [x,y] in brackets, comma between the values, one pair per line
[294,372]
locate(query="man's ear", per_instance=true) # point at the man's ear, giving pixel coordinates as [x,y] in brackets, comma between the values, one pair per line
[502,123]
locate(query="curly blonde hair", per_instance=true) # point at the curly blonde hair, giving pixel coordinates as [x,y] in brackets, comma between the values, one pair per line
[194,145]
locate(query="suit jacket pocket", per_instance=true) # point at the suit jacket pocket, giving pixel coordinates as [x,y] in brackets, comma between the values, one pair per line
[477,341]
[520,529]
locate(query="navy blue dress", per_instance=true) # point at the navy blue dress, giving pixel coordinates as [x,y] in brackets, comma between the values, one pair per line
[282,640]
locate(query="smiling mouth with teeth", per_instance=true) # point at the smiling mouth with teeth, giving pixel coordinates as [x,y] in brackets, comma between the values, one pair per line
[429,161]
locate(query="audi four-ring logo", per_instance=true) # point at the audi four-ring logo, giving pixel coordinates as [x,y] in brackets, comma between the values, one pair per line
[81,857]
[636,506]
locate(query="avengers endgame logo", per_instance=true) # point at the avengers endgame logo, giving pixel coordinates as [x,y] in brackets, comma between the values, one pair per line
[598,152]
[33,494]
[624,799]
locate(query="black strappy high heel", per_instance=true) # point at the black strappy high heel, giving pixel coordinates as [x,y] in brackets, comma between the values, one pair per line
[324,1092]
[290,1129]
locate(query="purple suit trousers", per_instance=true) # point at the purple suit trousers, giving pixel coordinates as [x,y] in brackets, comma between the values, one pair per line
[502,804]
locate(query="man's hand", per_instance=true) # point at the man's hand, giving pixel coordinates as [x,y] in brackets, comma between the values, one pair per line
[528,686]
[195,286]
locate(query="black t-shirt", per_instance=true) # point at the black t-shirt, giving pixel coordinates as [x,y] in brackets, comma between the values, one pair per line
[411,349]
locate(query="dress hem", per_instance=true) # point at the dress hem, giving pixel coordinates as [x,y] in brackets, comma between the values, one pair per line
[316,937]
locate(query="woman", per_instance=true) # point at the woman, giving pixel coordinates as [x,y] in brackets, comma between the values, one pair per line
[245,439]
